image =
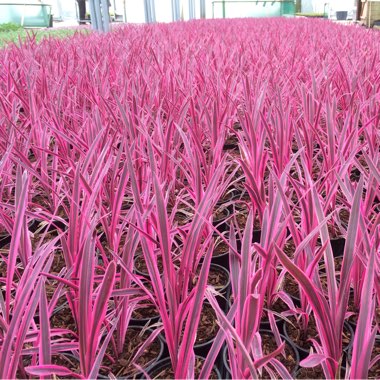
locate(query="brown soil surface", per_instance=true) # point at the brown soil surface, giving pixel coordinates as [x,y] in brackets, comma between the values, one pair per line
[123,365]
[301,338]
[140,264]
[219,215]
[63,319]
[344,216]
[290,286]
[279,306]
[311,373]
[220,249]
[242,217]
[269,345]
[184,216]
[374,372]
[145,310]
[168,373]
[218,278]
[66,361]
[207,327]
[289,248]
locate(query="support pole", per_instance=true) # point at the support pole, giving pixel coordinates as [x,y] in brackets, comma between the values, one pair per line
[175,10]
[191,9]
[105,14]
[124,12]
[202,6]
[152,11]
[100,16]
[146,11]
[94,23]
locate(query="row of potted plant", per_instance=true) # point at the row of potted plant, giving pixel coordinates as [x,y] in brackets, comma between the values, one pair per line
[194,200]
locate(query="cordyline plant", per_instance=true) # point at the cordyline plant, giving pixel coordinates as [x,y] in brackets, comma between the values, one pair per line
[179,306]
[329,313]
[16,323]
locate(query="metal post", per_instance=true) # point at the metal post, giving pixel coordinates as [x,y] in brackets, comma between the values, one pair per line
[191,9]
[224,8]
[202,6]
[98,15]
[94,23]
[105,16]
[146,11]
[152,11]
[175,10]
[124,12]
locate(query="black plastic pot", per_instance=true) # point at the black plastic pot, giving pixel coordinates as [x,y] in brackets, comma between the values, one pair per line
[35,225]
[166,362]
[221,260]
[145,321]
[204,348]
[140,375]
[265,325]
[303,353]
[224,291]
[219,223]
[337,246]
[289,342]
[200,349]
[36,316]
[231,143]
[4,240]
[139,272]
[256,236]
[228,200]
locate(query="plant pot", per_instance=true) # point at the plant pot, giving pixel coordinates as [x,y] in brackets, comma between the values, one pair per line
[138,375]
[227,200]
[141,269]
[202,348]
[337,246]
[256,236]
[160,366]
[231,143]
[289,344]
[221,255]
[5,239]
[303,352]
[219,220]
[223,289]
[144,321]
[341,15]
[315,373]
[278,307]
[291,288]
[56,310]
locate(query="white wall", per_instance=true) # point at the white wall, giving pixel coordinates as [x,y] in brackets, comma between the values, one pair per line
[318,6]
